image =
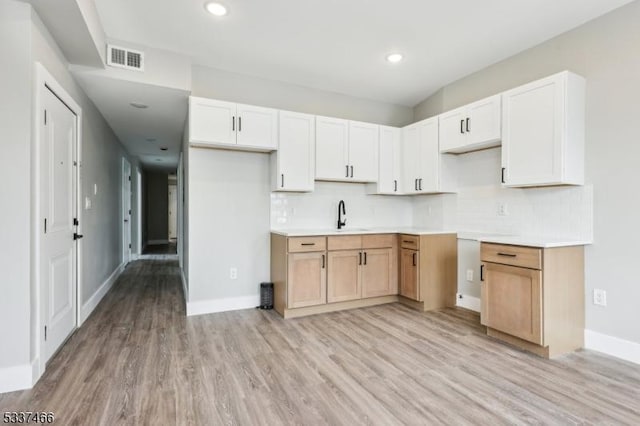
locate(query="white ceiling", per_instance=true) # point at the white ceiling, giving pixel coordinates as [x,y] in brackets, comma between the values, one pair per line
[340,45]
[163,121]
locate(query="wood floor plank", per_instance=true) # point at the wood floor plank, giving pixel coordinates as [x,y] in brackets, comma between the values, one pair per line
[139,360]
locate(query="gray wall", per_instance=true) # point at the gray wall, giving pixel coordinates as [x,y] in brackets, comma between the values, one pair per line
[605,52]
[15,136]
[156,190]
[218,84]
[24,40]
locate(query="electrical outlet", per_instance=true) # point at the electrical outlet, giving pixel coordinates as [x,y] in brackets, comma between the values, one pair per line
[470,275]
[599,297]
[503,209]
[95,189]
[233,273]
[87,203]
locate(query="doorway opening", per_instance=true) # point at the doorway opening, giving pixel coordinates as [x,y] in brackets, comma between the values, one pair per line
[160,226]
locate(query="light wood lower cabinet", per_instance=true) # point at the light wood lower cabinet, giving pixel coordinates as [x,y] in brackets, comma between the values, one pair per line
[307,279]
[512,301]
[429,270]
[321,274]
[379,273]
[534,298]
[409,271]
[344,276]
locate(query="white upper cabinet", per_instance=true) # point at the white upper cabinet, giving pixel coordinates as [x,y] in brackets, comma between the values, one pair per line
[293,164]
[426,170]
[332,148]
[346,150]
[363,151]
[390,161]
[257,127]
[543,132]
[472,127]
[229,125]
[211,122]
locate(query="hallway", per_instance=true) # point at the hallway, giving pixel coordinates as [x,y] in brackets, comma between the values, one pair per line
[139,360]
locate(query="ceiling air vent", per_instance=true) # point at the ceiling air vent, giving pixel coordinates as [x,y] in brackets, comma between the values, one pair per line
[125,58]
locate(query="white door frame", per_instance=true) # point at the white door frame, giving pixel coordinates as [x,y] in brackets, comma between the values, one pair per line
[139,209]
[45,81]
[126,216]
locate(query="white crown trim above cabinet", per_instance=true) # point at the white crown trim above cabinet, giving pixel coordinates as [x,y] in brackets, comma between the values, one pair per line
[471,127]
[232,126]
[293,165]
[426,170]
[346,151]
[543,132]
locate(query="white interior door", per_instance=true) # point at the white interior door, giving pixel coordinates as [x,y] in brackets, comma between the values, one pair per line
[173,212]
[58,201]
[126,211]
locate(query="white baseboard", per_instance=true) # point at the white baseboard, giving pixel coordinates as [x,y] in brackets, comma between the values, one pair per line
[614,346]
[222,305]
[468,302]
[156,242]
[91,304]
[16,378]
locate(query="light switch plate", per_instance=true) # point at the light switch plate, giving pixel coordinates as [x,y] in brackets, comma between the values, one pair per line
[470,275]
[87,203]
[599,297]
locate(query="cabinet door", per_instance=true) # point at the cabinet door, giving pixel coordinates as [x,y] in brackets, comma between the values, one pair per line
[257,127]
[532,133]
[411,154]
[296,152]
[390,161]
[344,276]
[363,151]
[306,279]
[377,273]
[409,274]
[512,301]
[452,130]
[484,127]
[332,149]
[212,121]
[429,158]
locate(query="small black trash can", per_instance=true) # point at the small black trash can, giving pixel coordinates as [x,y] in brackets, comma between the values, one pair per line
[266,296]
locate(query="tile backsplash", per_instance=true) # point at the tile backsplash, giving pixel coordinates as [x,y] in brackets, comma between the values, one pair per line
[560,212]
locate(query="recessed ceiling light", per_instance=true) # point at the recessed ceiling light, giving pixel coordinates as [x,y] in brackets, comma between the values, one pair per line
[158,159]
[139,105]
[394,58]
[216,9]
[164,148]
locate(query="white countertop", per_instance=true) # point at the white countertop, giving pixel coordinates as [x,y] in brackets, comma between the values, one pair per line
[529,241]
[357,231]
[516,240]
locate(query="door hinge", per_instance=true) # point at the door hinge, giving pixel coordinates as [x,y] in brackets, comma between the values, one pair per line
[45,117]
[129,245]
[129,212]
[45,332]
[76,222]
[129,178]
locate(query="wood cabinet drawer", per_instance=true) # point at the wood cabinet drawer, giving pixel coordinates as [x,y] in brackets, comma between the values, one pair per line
[525,257]
[410,241]
[378,241]
[307,244]
[344,242]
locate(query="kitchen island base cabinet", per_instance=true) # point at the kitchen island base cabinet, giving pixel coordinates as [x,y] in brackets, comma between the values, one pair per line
[429,271]
[533,298]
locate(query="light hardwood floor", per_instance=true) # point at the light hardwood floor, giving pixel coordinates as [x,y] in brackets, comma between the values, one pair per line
[139,360]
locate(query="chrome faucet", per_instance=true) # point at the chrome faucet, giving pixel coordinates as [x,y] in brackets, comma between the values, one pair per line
[341,211]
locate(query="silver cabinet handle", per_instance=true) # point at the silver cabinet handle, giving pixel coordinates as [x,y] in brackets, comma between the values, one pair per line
[233,123]
[351,171]
[282,184]
[347,166]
